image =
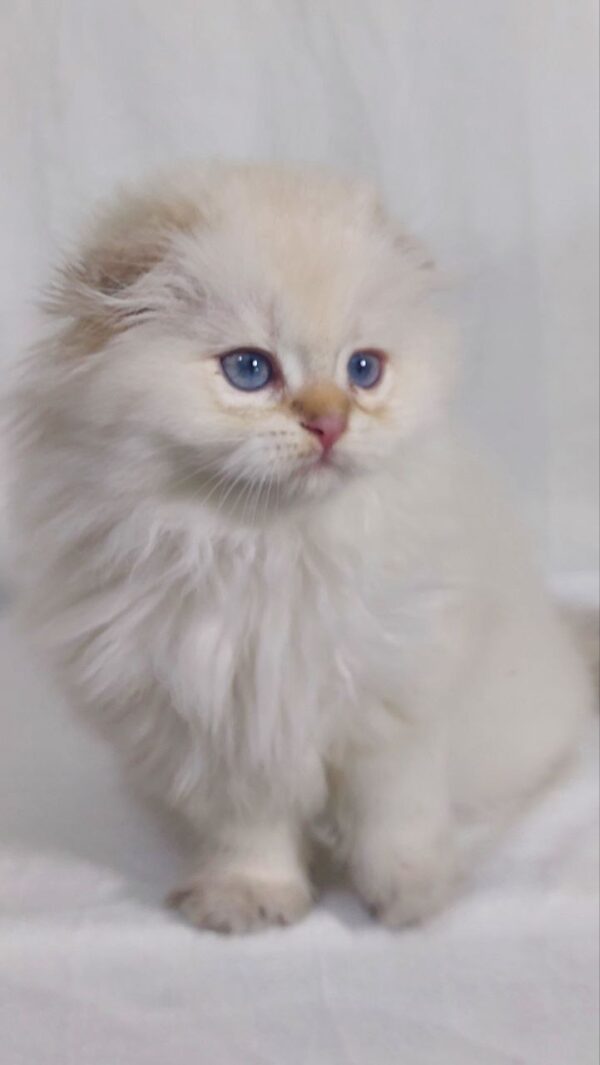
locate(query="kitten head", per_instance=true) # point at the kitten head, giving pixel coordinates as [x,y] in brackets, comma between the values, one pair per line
[269,331]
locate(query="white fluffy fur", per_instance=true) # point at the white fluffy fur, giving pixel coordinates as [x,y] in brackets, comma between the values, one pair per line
[266,639]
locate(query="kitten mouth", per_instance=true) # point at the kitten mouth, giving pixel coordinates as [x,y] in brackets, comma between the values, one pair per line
[327,461]
[322,469]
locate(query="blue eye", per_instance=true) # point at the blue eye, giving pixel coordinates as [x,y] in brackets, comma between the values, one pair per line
[365,368]
[247,370]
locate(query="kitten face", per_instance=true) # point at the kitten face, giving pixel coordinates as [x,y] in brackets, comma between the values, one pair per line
[279,342]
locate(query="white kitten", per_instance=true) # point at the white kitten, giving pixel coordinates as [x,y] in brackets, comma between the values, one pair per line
[260,561]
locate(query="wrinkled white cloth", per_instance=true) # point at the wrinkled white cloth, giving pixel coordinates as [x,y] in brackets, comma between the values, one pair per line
[94,971]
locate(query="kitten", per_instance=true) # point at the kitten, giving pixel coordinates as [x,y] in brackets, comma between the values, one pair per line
[260,560]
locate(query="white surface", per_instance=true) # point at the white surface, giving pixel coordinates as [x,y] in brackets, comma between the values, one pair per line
[479,120]
[94,972]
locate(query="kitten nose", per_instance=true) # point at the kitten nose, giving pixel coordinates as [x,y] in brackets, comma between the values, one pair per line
[322,409]
[327,428]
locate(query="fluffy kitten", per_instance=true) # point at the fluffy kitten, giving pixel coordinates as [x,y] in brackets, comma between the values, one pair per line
[260,561]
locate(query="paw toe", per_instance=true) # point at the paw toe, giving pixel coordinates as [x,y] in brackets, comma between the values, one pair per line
[229,904]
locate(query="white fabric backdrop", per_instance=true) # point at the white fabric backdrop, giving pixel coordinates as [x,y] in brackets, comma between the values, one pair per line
[477,117]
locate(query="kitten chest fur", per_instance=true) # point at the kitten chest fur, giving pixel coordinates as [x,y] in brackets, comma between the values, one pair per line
[252,649]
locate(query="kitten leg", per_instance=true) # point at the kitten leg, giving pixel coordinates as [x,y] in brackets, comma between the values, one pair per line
[396,825]
[252,875]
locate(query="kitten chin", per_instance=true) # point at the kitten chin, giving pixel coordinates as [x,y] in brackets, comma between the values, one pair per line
[259,561]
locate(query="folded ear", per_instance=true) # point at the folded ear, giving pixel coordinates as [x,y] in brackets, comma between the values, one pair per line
[412,249]
[101,283]
[415,250]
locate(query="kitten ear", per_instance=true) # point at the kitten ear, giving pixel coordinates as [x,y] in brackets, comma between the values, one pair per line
[101,284]
[410,247]
[414,250]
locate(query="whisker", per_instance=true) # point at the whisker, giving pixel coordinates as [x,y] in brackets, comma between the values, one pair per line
[269,489]
[246,498]
[263,484]
[179,482]
[220,481]
[236,481]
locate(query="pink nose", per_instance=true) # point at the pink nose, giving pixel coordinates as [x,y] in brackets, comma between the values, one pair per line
[327,428]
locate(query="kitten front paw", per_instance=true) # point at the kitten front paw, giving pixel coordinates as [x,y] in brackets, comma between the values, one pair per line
[236,903]
[406,885]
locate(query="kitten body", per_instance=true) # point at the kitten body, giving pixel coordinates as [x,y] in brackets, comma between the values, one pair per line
[266,630]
